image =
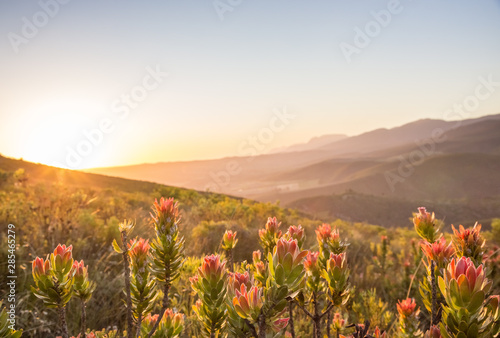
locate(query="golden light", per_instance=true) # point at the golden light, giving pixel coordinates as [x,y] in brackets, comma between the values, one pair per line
[55,126]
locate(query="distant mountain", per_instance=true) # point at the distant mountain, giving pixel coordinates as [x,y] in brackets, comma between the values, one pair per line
[312,144]
[447,162]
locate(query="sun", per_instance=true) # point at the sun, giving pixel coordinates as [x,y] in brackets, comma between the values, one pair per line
[54,127]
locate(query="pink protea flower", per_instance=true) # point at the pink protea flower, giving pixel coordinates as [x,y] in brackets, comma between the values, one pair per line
[461,282]
[139,251]
[82,286]
[40,268]
[256,256]
[235,280]
[296,232]
[229,240]
[324,233]
[469,242]
[280,324]
[172,323]
[285,258]
[338,321]
[80,270]
[311,262]
[337,261]
[61,260]
[272,226]
[433,332]
[407,307]
[165,215]
[212,269]
[337,277]
[248,303]
[378,334]
[438,251]
[425,225]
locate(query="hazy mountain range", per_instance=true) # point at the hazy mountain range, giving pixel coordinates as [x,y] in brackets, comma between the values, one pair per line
[453,166]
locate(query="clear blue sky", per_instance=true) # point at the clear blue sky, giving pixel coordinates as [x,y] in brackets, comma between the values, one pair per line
[225,77]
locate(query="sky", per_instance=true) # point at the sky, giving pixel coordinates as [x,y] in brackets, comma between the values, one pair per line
[104,83]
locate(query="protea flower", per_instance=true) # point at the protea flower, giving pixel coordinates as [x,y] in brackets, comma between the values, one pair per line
[237,325]
[286,266]
[407,307]
[296,232]
[270,234]
[165,216]
[235,280]
[229,240]
[248,303]
[210,285]
[464,287]
[378,334]
[438,252]
[408,318]
[329,242]
[337,276]
[469,242]
[425,225]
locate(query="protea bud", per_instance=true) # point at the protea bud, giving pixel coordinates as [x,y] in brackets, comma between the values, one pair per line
[433,332]
[261,273]
[469,242]
[438,252]
[464,287]
[256,256]
[337,276]
[139,252]
[270,234]
[279,324]
[286,266]
[338,322]
[82,286]
[229,240]
[170,325]
[211,288]
[296,232]
[425,225]
[61,260]
[378,334]
[41,269]
[313,271]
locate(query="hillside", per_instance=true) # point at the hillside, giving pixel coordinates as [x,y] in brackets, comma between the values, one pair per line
[461,165]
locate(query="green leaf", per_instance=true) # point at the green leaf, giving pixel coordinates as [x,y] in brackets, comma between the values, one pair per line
[116,247]
[476,301]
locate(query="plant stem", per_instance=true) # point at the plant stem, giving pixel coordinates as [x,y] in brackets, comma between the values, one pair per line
[328,323]
[290,322]
[126,264]
[84,320]
[262,326]
[317,317]
[62,320]
[434,295]
[164,307]
[139,322]
[230,259]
